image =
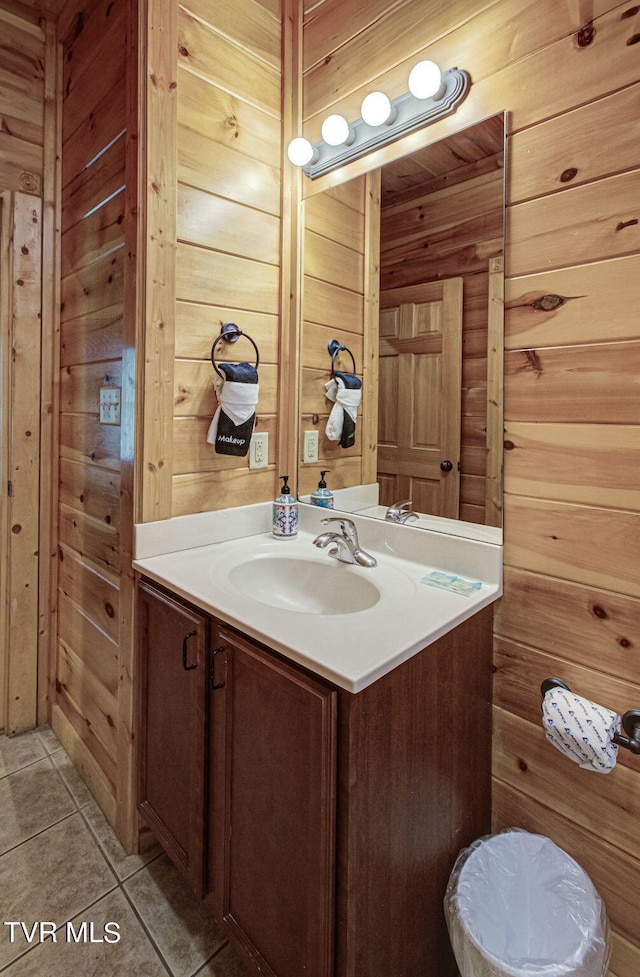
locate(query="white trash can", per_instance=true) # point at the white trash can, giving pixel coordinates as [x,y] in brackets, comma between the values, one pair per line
[519,906]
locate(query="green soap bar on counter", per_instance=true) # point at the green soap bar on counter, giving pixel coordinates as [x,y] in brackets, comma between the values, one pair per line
[445,581]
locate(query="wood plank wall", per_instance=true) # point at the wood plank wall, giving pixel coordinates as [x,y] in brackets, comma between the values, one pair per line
[334,249]
[94,647]
[25,329]
[572,504]
[228,238]
[461,225]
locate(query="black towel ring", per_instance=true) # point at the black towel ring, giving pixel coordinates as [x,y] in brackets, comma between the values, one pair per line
[231,333]
[336,347]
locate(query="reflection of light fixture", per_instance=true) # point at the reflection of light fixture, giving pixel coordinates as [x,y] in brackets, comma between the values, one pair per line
[431,96]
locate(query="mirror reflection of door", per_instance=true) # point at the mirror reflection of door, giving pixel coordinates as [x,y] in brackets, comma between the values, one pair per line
[420,377]
[433,215]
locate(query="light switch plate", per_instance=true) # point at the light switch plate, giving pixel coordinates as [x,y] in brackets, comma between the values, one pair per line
[259,450]
[109,404]
[310,450]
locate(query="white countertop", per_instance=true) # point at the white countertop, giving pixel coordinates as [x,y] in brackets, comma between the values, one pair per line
[351,650]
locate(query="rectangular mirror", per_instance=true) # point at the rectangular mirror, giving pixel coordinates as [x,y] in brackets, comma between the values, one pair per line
[403,267]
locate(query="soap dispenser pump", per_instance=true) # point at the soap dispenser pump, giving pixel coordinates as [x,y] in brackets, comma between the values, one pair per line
[322,496]
[285,513]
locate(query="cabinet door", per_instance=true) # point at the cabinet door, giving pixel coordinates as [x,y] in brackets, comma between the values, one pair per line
[173,646]
[272,849]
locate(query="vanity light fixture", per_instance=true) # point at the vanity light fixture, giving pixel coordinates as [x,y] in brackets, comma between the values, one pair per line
[431,96]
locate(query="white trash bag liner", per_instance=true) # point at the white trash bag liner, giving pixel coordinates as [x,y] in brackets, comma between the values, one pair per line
[518,905]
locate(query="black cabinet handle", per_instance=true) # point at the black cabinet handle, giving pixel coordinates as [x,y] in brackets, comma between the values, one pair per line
[446,465]
[212,664]
[186,667]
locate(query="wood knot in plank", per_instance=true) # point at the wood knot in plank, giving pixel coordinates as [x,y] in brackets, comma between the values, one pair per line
[600,612]
[630,223]
[633,39]
[184,51]
[534,363]
[548,303]
[29,182]
[625,643]
[568,174]
[509,445]
[585,35]
[629,12]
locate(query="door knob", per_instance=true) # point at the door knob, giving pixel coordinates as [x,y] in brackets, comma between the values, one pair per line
[446,465]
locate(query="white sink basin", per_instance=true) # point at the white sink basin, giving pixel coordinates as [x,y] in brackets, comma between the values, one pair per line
[306,586]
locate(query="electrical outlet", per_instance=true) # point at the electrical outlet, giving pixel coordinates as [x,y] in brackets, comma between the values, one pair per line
[259,450]
[310,452]
[110,404]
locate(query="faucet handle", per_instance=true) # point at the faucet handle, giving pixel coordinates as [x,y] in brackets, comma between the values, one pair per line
[395,511]
[347,526]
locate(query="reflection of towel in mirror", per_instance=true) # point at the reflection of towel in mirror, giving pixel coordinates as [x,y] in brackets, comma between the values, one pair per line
[345,390]
[232,425]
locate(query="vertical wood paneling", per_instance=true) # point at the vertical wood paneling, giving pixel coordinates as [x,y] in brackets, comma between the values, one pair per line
[92,715]
[23,66]
[160,276]
[24,463]
[5,404]
[49,375]
[571,526]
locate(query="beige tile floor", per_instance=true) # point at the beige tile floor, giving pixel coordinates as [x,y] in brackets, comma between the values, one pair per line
[60,863]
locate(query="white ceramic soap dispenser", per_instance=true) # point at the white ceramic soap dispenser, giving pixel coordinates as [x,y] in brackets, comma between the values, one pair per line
[322,495]
[285,513]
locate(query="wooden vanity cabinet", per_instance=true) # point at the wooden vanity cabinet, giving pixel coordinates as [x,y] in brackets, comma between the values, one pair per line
[333,819]
[414,787]
[173,648]
[272,800]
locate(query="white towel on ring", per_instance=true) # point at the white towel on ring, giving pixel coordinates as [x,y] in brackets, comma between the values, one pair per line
[345,401]
[238,400]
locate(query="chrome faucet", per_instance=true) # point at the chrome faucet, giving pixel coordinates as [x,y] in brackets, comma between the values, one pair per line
[346,546]
[398,512]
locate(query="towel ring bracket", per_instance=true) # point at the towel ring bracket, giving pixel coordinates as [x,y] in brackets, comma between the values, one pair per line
[231,333]
[335,347]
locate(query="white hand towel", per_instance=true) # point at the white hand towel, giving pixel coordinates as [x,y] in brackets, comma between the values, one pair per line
[345,401]
[238,401]
[581,729]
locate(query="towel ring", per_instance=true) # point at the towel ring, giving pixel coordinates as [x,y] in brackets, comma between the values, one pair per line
[231,333]
[336,347]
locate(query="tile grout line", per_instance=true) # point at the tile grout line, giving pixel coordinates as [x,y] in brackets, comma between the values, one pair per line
[119,884]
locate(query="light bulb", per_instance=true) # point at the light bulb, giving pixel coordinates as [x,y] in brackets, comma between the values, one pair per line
[425,80]
[300,151]
[335,130]
[376,109]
